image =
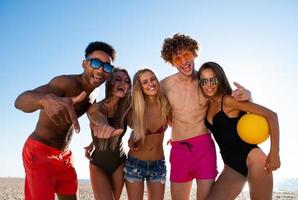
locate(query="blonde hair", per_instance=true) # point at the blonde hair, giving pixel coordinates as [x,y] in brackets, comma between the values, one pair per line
[138,108]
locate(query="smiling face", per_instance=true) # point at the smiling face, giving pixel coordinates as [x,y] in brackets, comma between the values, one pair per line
[120,84]
[96,77]
[209,82]
[149,83]
[183,60]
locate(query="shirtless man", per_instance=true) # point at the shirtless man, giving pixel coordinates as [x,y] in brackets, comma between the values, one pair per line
[193,153]
[46,157]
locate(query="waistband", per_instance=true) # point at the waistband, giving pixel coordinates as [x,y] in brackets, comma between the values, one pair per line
[44,148]
[193,140]
[146,163]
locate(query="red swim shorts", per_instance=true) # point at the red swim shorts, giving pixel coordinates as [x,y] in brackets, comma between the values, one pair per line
[193,158]
[48,171]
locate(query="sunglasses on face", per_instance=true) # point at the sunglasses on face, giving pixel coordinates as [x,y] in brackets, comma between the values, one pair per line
[96,64]
[178,60]
[205,81]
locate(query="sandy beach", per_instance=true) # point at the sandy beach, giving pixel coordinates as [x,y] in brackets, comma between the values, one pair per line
[12,189]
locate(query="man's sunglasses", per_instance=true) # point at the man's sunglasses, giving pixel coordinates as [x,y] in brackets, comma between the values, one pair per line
[96,64]
[177,60]
[205,81]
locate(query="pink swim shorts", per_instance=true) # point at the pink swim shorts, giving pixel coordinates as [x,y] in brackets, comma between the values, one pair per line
[193,158]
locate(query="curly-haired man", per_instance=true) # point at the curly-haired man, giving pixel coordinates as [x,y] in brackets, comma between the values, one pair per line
[193,153]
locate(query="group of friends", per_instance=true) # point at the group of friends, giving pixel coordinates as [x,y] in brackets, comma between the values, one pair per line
[195,104]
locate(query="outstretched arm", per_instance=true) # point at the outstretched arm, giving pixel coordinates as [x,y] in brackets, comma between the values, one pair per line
[49,97]
[99,123]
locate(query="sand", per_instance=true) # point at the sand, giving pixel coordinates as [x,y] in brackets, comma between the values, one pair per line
[12,189]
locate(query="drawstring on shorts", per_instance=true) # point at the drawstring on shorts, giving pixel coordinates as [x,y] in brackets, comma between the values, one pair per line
[188,145]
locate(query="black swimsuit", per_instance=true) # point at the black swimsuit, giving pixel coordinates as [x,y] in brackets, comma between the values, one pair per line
[109,160]
[234,151]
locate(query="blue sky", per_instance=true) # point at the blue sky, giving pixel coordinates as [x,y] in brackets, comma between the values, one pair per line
[256,42]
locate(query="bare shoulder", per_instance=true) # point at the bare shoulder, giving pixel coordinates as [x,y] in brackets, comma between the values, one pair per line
[98,107]
[228,98]
[230,102]
[168,82]
[67,84]
[65,80]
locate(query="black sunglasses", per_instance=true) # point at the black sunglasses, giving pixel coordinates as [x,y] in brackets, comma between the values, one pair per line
[96,64]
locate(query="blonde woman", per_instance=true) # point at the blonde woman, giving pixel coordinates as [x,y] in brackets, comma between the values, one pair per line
[149,118]
[107,160]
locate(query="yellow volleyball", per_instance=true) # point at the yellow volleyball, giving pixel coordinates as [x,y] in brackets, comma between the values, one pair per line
[253,128]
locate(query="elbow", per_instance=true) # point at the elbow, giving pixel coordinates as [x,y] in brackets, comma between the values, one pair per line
[17,104]
[20,104]
[272,116]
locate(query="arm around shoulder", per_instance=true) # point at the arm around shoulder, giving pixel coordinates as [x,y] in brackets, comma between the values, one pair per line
[273,160]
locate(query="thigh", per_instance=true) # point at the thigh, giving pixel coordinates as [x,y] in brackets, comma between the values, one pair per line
[180,191]
[204,187]
[101,185]
[38,170]
[135,190]
[67,197]
[118,181]
[157,172]
[67,182]
[156,190]
[35,190]
[259,180]
[228,185]
[181,162]
[134,172]
[204,166]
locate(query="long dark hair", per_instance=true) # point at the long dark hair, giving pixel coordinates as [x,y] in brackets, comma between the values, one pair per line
[224,86]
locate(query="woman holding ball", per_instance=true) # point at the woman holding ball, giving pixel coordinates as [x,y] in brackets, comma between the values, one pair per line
[242,161]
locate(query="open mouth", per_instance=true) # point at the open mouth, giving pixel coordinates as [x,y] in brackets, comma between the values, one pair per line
[153,88]
[98,78]
[121,89]
[186,67]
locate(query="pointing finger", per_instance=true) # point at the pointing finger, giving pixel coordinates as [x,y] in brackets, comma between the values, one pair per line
[238,85]
[74,119]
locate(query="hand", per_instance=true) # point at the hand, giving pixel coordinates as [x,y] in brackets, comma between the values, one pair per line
[272,162]
[133,145]
[61,109]
[89,150]
[104,131]
[240,93]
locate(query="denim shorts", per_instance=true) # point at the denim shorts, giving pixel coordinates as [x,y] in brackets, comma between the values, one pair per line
[136,170]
